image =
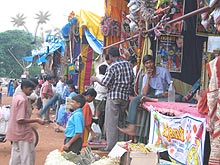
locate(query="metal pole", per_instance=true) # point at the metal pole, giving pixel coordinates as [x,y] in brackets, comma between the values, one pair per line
[1,63]
[201,10]
[16,59]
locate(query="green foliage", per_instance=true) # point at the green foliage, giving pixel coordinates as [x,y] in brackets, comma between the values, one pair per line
[19,43]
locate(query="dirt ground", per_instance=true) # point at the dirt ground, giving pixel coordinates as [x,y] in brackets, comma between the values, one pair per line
[49,140]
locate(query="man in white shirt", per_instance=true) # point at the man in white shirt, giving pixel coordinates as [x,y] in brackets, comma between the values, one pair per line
[100,99]
[60,85]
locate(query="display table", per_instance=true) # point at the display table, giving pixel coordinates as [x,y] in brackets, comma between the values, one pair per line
[167,108]
[174,108]
[179,129]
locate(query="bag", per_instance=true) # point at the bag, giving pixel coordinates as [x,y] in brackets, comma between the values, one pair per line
[95,127]
[4,117]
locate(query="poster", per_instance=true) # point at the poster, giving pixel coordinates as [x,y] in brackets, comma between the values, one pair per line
[170,52]
[183,137]
[206,27]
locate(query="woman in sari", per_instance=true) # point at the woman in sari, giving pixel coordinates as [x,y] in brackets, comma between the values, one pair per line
[213,102]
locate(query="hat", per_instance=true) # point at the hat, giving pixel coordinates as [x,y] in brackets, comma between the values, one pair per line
[147,58]
[113,51]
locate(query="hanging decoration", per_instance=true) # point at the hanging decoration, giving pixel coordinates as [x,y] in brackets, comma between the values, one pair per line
[208,23]
[156,15]
[109,26]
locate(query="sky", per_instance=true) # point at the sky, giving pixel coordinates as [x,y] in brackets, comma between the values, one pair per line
[58,10]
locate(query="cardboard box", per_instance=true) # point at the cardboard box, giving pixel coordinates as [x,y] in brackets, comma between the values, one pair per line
[139,158]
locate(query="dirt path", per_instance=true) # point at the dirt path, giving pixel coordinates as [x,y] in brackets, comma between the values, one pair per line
[48,141]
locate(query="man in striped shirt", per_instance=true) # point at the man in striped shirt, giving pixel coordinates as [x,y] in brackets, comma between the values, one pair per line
[118,79]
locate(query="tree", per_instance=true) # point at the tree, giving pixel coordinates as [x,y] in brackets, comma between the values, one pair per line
[16,44]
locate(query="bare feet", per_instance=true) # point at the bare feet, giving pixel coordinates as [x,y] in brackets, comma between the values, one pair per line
[130,130]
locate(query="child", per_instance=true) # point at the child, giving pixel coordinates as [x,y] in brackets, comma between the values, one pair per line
[89,95]
[75,126]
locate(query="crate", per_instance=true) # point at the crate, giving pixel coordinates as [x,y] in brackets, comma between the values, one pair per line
[139,158]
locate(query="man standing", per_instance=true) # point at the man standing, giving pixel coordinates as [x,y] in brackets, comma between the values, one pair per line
[46,95]
[57,97]
[19,130]
[118,79]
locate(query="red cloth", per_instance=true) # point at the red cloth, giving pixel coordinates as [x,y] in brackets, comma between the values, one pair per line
[87,113]
[202,104]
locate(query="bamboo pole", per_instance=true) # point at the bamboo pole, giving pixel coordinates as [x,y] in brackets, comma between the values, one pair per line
[198,11]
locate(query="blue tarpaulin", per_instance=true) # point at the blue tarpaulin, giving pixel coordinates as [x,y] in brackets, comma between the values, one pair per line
[41,59]
[93,42]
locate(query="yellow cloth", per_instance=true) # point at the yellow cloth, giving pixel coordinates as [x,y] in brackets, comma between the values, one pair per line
[92,22]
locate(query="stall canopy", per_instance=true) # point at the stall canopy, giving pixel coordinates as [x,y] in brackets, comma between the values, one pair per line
[40,55]
[85,39]
[89,25]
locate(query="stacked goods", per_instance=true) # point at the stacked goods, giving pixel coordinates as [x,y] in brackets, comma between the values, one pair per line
[86,157]
[136,147]
[107,161]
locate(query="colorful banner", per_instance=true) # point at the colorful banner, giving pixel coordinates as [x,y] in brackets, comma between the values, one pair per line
[86,70]
[183,137]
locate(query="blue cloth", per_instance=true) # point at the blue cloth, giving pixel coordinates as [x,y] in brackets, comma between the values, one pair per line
[75,124]
[94,42]
[10,89]
[61,113]
[63,116]
[66,29]
[66,92]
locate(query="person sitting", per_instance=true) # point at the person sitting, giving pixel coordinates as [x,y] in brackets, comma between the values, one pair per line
[63,113]
[154,88]
[66,91]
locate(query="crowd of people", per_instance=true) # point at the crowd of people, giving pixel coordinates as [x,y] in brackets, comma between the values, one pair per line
[112,93]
